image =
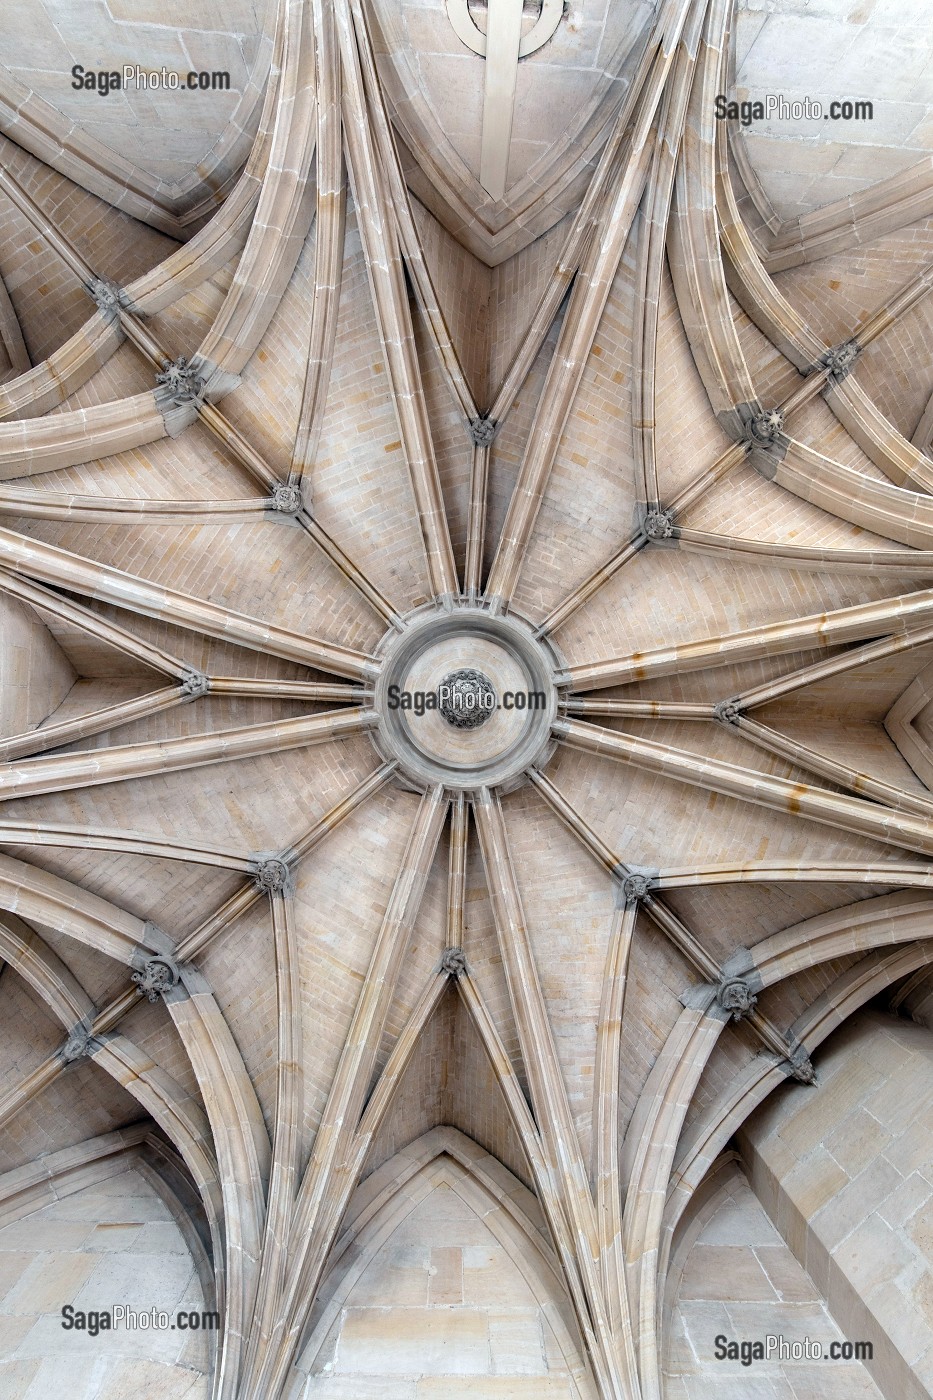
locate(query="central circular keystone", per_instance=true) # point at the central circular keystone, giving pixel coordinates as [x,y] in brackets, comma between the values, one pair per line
[466,698]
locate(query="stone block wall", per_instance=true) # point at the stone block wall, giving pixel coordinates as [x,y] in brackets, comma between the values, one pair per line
[111,1243]
[739,1280]
[846,1173]
[35,674]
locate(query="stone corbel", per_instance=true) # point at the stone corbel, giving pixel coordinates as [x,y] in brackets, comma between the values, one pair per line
[799,1066]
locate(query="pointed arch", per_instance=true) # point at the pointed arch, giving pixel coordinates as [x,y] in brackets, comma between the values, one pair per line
[445,1156]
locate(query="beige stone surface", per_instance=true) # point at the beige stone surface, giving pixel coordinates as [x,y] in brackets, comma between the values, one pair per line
[874,1260]
[822,54]
[111,1244]
[739,1280]
[436,1085]
[422,1314]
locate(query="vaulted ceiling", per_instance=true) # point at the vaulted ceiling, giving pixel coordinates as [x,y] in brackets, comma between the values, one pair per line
[284,388]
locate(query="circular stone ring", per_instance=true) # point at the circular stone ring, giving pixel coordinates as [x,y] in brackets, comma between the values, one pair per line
[464,698]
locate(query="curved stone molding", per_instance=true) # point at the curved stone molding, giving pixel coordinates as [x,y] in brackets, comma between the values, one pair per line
[46,899]
[551,14]
[46,385]
[175,208]
[74,436]
[856,219]
[907,725]
[496,229]
[482,1189]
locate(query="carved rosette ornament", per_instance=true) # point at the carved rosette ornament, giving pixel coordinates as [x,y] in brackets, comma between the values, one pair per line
[736,996]
[78,1045]
[182,383]
[466,698]
[767,426]
[482,431]
[453,963]
[658,525]
[635,887]
[106,295]
[840,359]
[286,498]
[727,712]
[195,683]
[801,1066]
[158,976]
[272,875]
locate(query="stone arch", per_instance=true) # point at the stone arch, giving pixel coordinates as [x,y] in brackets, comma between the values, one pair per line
[844,1174]
[434,1219]
[99,1226]
[729,1246]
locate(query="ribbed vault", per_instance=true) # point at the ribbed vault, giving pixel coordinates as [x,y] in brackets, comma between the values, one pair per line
[632,434]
